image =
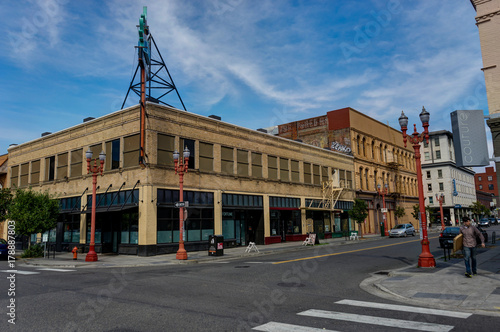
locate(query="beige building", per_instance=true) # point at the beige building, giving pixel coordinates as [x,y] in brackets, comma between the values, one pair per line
[241,183]
[488,23]
[379,158]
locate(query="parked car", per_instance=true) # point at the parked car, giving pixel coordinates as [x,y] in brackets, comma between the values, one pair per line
[3,248]
[484,222]
[402,230]
[485,234]
[493,221]
[446,237]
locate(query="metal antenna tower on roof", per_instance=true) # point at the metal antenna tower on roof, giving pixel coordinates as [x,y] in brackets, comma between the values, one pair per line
[151,74]
[159,85]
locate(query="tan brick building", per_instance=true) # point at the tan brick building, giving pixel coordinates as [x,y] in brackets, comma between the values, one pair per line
[379,158]
[241,183]
[488,23]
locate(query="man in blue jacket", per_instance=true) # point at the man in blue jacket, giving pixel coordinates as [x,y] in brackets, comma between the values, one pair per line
[469,233]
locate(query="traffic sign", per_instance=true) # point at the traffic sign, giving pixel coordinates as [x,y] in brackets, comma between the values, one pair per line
[181,204]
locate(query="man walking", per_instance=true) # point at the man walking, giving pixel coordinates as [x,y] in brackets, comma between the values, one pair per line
[469,233]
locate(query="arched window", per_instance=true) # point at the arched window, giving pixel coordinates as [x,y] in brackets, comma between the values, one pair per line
[381,153]
[364,147]
[358,151]
[373,150]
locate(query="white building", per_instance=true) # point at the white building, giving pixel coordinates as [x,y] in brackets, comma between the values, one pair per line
[441,176]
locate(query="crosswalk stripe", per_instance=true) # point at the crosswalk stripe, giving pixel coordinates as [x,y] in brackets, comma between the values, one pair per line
[20,272]
[406,308]
[56,270]
[382,321]
[281,327]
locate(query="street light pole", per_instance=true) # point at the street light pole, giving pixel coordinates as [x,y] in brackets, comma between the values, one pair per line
[95,169]
[383,192]
[440,200]
[181,167]
[425,259]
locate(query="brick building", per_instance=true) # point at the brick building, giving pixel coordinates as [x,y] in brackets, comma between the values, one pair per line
[379,158]
[241,183]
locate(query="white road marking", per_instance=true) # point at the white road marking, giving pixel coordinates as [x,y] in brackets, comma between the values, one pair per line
[382,321]
[56,270]
[20,272]
[405,308]
[281,327]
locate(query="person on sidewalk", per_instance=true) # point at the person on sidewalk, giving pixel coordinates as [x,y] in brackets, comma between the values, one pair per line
[469,241]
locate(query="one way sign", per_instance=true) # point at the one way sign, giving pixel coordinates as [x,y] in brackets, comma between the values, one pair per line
[181,204]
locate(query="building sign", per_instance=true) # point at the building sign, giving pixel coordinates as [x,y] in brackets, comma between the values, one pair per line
[320,121]
[469,138]
[336,146]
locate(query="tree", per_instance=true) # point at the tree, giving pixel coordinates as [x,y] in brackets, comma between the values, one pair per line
[416,212]
[33,212]
[399,212]
[479,209]
[5,201]
[359,212]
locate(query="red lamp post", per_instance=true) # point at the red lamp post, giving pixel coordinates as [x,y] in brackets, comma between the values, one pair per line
[441,200]
[425,259]
[383,192]
[95,169]
[181,168]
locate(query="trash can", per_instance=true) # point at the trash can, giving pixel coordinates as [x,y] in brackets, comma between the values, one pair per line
[215,245]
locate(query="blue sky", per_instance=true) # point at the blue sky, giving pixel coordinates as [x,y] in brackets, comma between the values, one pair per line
[254,63]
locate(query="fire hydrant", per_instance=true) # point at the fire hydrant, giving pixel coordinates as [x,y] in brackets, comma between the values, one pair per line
[75,253]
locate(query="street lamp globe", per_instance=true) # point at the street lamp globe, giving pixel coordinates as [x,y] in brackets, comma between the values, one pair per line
[424,116]
[176,155]
[403,120]
[88,154]
[102,156]
[186,153]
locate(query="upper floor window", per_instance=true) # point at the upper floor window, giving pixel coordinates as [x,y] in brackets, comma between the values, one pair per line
[479,178]
[113,154]
[480,187]
[428,174]
[491,187]
[490,178]
[206,157]
[427,156]
[429,186]
[440,173]
[438,154]
[431,200]
[436,141]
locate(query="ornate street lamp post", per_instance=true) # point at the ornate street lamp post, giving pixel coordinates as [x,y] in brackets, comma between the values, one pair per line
[181,167]
[383,192]
[425,259]
[441,200]
[95,169]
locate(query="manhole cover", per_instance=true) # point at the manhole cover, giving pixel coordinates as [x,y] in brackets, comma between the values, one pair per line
[241,266]
[290,284]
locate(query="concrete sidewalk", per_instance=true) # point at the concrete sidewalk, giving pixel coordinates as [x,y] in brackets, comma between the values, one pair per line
[65,259]
[442,287]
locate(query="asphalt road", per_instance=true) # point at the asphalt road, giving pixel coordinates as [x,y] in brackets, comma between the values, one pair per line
[282,290]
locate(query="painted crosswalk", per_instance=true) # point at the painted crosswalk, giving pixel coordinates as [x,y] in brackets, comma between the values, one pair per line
[38,271]
[367,320]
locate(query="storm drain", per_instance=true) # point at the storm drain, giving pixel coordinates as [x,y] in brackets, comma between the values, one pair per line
[241,266]
[384,273]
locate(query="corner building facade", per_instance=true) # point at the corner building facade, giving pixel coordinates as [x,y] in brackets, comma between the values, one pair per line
[379,158]
[247,185]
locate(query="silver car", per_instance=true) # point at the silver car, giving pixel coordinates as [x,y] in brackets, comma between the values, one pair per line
[402,230]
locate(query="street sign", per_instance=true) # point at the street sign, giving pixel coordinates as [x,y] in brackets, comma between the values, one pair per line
[181,204]
[384,210]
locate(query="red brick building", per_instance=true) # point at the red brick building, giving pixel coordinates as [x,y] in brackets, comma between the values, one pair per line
[487,181]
